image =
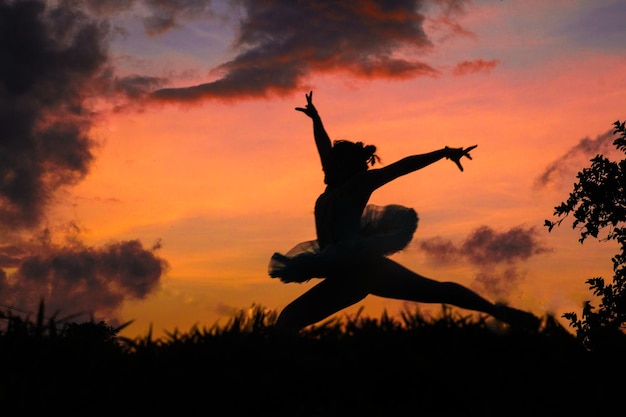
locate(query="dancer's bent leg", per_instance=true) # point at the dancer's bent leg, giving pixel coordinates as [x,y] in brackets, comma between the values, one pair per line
[321,301]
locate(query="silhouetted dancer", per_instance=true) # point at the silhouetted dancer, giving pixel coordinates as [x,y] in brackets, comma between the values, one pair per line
[354,240]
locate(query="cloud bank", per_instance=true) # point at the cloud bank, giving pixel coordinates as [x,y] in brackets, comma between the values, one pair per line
[81,280]
[54,64]
[282,42]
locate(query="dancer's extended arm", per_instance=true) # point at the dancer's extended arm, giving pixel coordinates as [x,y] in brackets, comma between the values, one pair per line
[322,140]
[381,176]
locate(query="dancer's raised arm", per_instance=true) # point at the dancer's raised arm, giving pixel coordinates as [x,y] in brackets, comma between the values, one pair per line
[322,140]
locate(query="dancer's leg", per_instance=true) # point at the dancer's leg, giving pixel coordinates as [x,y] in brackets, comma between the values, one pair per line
[320,302]
[386,278]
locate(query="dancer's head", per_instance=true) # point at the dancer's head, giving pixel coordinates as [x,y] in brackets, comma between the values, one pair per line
[349,158]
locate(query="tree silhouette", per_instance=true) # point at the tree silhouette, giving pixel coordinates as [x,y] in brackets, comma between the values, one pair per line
[598,204]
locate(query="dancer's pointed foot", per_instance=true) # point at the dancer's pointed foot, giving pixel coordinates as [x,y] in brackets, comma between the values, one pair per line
[517,319]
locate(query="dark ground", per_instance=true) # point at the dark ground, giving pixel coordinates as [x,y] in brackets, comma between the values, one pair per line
[372,368]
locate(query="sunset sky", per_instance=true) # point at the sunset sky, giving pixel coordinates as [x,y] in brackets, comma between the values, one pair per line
[152,159]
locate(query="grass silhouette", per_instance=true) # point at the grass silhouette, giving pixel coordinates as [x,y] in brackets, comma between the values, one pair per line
[356,365]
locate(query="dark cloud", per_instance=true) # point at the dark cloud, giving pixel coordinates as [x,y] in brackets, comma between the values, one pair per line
[495,255]
[166,14]
[137,86]
[575,159]
[281,42]
[108,7]
[48,58]
[441,251]
[498,284]
[54,62]
[445,22]
[157,16]
[75,279]
[486,246]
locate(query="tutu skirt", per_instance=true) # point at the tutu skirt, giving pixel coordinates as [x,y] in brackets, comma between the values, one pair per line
[384,231]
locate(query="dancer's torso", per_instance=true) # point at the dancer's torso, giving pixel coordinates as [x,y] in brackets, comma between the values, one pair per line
[338,212]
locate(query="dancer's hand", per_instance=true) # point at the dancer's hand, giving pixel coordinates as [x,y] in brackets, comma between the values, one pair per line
[310,109]
[455,154]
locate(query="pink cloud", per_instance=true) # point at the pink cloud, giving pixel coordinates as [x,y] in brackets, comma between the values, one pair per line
[475,66]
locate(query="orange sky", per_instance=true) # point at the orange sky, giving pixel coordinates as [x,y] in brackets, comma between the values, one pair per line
[223,184]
